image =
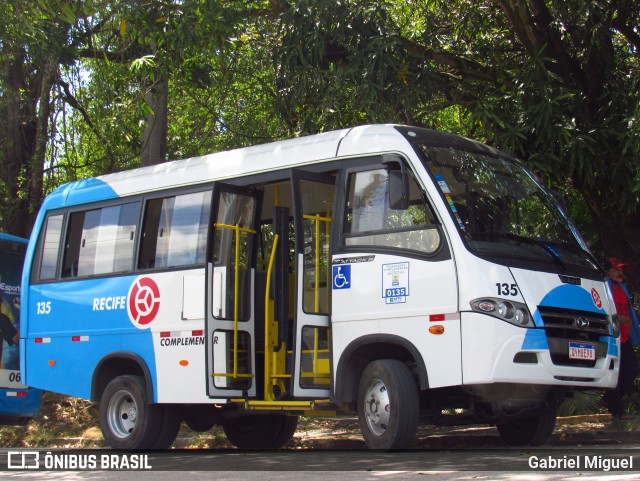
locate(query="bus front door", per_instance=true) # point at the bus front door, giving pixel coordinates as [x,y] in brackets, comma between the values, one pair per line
[230,274]
[314,199]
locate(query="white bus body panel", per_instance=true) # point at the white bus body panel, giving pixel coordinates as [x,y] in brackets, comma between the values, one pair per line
[362,309]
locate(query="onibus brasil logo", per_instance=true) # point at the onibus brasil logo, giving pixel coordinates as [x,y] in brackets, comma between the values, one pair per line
[143,302]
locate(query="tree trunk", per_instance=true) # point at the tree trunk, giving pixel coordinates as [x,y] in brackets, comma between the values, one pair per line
[37,160]
[154,138]
[20,127]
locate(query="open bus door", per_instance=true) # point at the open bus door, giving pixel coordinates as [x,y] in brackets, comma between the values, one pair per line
[292,291]
[230,274]
[313,201]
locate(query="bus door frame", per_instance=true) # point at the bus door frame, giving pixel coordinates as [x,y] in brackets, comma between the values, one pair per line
[235,326]
[303,319]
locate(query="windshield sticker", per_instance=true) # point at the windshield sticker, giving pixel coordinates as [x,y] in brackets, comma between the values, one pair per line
[395,282]
[447,195]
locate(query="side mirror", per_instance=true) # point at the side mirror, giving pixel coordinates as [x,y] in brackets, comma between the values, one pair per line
[398,181]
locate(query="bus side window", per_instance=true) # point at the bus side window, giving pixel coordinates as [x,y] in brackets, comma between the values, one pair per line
[371,221]
[175,231]
[72,247]
[50,246]
[100,241]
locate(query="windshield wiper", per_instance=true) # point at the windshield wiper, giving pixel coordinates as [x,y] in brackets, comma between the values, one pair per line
[524,240]
[587,254]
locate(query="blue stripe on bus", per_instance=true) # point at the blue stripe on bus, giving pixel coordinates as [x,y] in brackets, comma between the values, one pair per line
[89,190]
[612,345]
[80,192]
[566,297]
[12,238]
[571,297]
[67,367]
[535,339]
[71,313]
[26,405]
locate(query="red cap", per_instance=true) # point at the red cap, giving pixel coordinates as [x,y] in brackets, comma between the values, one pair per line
[614,263]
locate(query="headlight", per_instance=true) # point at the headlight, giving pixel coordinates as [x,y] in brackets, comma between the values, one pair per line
[615,324]
[505,309]
[513,312]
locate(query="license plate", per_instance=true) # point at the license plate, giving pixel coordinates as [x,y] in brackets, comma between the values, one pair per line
[582,351]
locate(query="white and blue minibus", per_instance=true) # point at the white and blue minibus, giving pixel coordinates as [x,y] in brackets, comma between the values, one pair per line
[18,403]
[392,273]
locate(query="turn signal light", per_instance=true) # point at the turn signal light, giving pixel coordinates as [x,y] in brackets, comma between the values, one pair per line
[51,362]
[184,362]
[437,329]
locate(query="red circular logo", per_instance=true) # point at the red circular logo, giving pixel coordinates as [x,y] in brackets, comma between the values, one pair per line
[596,298]
[144,301]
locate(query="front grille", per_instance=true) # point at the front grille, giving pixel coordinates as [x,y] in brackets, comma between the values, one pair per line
[563,326]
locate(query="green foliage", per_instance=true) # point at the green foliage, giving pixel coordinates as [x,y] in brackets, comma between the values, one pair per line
[559,89]
[340,64]
[221,84]
[582,402]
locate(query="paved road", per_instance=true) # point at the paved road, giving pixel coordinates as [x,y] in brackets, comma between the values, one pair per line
[599,451]
[595,462]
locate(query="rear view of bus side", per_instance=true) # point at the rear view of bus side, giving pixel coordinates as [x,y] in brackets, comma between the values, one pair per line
[391,273]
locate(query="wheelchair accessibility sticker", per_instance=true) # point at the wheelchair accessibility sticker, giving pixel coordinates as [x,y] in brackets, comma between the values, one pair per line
[395,282]
[342,277]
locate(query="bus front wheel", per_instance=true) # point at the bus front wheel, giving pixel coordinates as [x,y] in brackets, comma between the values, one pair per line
[388,405]
[127,419]
[530,431]
[267,431]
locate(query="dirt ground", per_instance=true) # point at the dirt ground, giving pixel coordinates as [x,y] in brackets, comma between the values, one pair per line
[571,431]
[343,434]
[73,423]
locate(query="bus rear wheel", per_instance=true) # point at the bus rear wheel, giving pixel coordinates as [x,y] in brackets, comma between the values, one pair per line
[267,431]
[169,427]
[388,405]
[529,431]
[200,417]
[127,419]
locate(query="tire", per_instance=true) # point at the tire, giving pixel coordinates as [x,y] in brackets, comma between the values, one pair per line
[270,431]
[388,405]
[127,419]
[200,418]
[529,431]
[169,427]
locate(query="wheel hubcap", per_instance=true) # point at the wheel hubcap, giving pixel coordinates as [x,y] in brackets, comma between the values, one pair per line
[377,407]
[122,414]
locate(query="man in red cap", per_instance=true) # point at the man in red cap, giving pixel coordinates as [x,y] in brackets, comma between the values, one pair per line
[629,337]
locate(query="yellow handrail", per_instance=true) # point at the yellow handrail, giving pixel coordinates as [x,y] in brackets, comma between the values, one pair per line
[267,311]
[236,288]
[317,219]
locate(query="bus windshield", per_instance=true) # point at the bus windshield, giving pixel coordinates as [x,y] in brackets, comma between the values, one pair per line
[502,211]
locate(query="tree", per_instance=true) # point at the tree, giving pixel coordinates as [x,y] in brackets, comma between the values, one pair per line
[85,86]
[554,82]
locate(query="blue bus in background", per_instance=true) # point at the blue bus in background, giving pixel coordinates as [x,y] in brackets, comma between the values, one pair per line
[18,403]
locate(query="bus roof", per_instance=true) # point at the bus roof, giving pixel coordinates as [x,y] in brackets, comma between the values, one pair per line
[12,238]
[362,140]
